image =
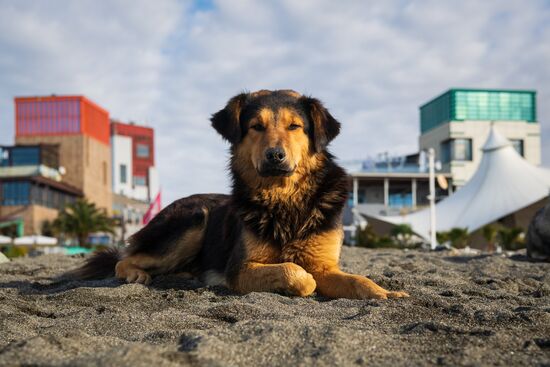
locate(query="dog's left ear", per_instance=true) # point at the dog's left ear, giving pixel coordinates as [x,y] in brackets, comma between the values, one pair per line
[324,126]
[227,121]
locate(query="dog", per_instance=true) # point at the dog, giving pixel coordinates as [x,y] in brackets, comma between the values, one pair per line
[280,229]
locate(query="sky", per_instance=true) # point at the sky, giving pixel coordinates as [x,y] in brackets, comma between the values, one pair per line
[170,64]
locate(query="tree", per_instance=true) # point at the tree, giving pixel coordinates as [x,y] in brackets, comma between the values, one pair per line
[81,218]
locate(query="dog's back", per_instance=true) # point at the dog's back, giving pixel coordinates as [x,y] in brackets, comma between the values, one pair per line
[172,241]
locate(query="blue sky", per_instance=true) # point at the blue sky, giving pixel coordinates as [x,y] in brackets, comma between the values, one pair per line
[171,64]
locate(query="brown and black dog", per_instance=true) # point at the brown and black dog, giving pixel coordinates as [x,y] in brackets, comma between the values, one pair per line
[280,229]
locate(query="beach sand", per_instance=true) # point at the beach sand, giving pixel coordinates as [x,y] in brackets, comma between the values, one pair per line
[463,310]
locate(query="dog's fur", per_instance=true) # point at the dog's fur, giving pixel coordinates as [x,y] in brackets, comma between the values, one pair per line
[280,229]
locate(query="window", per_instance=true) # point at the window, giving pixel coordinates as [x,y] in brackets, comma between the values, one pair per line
[123,173]
[462,150]
[456,150]
[139,181]
[142,151]
[104,165]
[518,145]
[25,156]
[15,193]
[446,151]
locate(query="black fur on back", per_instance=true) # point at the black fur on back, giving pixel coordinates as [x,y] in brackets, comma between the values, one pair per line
[159,236]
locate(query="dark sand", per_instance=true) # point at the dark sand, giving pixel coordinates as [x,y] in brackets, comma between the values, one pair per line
[463,310]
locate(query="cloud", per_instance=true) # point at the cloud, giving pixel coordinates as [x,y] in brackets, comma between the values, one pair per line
[173,64]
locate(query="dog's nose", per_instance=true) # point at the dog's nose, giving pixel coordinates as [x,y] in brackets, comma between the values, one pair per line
[275,155]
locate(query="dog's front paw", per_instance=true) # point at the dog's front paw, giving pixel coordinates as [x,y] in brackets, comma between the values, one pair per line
[301,283]
[367,289]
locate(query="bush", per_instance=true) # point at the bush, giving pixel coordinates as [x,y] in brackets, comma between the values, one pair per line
[401,237]
[511,239]
[457,237]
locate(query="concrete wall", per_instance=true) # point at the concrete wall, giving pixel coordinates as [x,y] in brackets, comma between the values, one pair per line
[478,132]
[87,162]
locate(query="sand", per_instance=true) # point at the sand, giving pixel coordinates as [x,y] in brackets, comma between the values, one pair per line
[463,310]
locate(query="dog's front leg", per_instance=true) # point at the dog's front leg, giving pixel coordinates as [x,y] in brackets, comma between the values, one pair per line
[319,255]
[335,283]
[287,278]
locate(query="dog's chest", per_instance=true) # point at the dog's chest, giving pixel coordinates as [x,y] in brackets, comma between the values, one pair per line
[284,221]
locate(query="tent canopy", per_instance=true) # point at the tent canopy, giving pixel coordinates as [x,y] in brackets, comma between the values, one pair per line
[5,240]
[503,184]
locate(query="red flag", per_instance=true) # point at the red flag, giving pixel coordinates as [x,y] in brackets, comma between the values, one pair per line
[153,210]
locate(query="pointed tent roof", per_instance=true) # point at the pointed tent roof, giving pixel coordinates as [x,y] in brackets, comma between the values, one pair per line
[503,184]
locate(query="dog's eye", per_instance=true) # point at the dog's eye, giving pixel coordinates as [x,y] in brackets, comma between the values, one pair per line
[294,127]
[258,127]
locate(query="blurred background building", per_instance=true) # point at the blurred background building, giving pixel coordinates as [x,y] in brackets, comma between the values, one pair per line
[457,123]
[135,177]
[65,148]
[80,128]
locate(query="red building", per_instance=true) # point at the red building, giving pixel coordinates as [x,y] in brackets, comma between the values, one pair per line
[61,115]
[143,149]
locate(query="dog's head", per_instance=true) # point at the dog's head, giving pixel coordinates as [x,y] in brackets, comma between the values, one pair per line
[275,133]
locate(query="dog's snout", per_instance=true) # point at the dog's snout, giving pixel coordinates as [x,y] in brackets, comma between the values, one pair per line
[275,155]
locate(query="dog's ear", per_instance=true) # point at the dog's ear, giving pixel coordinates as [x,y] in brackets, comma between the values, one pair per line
[324,127]
[227,121]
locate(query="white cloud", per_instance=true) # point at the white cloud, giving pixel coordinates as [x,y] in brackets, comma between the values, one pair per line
[172,64]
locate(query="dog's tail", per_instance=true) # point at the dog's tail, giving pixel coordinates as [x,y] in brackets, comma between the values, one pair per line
[99,266]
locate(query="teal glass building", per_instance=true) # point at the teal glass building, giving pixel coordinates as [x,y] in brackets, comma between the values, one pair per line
[478,104]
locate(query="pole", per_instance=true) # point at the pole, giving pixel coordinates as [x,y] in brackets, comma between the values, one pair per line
[431,164]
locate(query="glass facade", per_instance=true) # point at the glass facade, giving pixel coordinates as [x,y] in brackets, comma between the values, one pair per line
[48,116]
[467,104]
[21,155]
[31,193]
[16,193]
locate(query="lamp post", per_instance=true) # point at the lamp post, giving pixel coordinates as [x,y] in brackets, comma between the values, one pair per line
[431,165]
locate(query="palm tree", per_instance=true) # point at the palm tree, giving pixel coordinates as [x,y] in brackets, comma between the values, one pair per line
[81,218]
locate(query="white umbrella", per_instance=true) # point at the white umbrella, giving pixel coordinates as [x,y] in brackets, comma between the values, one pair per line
[5,240]
[35,240]
[503,184]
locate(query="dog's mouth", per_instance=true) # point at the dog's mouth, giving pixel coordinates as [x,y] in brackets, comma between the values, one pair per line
[276,171]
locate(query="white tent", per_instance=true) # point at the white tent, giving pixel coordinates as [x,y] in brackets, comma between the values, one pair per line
[5,240]
[503,184]
[35,240]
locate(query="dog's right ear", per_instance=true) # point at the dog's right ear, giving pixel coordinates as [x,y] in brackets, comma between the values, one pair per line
[227,121]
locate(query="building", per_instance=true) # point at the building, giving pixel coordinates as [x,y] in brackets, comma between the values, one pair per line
[32,189]
[393,185]
[135,177]
[457,123]
[133,156]
[80,128]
